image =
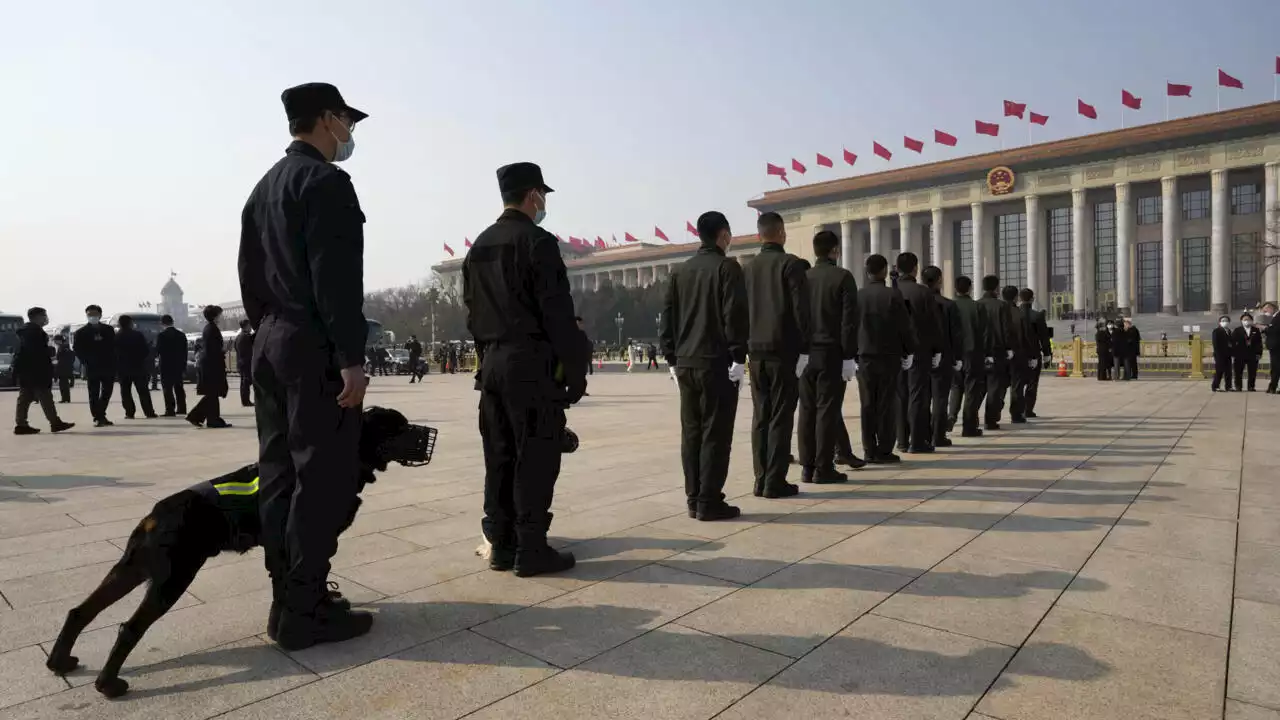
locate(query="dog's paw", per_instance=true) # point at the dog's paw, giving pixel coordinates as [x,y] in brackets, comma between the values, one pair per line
[485,550]
[112,687]
[63,665]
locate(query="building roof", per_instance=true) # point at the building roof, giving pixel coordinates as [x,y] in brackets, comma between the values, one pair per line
[1243,122]
[170,288]
[623,254]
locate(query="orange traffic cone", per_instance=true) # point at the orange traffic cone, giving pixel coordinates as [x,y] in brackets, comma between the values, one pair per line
[1062,367]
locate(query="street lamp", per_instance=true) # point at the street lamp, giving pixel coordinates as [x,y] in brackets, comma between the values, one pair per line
[618,321]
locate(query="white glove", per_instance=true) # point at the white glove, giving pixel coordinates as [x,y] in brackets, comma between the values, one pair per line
[1032,363]
[671,370]
[1008,355]
[849,369]
[1048,359]
[936,361]
[737,372]
[959,365]
[801,363]
[908,361]
[988,361]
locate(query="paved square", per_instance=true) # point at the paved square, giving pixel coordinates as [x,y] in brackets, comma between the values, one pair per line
[1117,558]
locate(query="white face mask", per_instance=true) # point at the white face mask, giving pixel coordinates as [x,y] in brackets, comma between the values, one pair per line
[1223,323]
[344,149]
[1247,323]
[93,319]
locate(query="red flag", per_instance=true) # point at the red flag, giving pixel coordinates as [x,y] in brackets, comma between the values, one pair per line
[1014,109]
[1086,109]
[1130,100]
[1176,90]
[692,230]
[824,161]
[772,169]
[600,243]
[1039,119]
[797,166]
[850,157]
[911,143]
[944,138]
[1226,80]
[881,150]
[630,238]
[1278,64]
[986,128]
[448,249]
[466,242]
[657,231]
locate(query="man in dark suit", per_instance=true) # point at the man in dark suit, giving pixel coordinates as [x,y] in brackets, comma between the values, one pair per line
[777,353]
[886,345]
[1040,334]
[1025,351]
[951,345]
[915,386]
[999,318]
[1271,339]
[171,348]
[833,302]
[969,385]
[133,355]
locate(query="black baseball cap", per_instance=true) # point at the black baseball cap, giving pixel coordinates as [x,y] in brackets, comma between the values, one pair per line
[312,99]
[521,176]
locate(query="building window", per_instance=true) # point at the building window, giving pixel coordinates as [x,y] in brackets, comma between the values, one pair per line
[926,246]
[1104,250]
[1060,250]
[1195,204]
[1150,288]
[1245,261]
[962,237]
[1011,249]
[1149,211]
[1246,199]
[1195,274]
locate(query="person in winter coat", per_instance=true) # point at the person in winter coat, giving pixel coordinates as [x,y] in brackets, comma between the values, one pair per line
[1105,345]
[213,375]
[1223,350]
[133,368]
[1246,345]
[33,366]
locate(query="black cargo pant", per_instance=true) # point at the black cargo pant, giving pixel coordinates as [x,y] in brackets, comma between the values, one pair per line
[821,420]
[1242,364]
[968,391]
[521,421]
[1018,372]
[941,379]
[100,387]
[997,385]
[129,383]
[175,395]
[774,394]
[878,390]
[708,404]
[308,460]
[1275,367]
[1033,385]
[915,393]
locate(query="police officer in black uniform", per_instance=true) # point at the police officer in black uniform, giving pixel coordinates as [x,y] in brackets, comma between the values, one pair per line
[532,365]
[999,317]
[95,348]
[951,337]
[833,302]
[778,348]
[703,334]
[301,280]
[244,361]
[1040,337]
[1026,352]
[969,386]
[915,387]
[886,341]
[171,349]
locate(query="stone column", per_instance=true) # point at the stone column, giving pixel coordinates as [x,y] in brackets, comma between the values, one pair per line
[941,257]
[1271,216]
[1033,246]
[846,246]
[1171,217]
[1124,250]
[1220,244]
[906,239]
[1080,299]
[877,242]
[979,247]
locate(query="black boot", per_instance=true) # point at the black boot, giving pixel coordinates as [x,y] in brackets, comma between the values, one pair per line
[720,510]
[333,597]
[828,476]
[326,623]
[533,555]
[502,549]
[850,461]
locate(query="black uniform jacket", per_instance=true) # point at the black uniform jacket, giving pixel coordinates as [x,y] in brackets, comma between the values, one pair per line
[884,325]
[31,363]
[925,315]
[778,298]
[833,302]
[213,363]
[95,345]
[1223,343]
[171,346]
[952,330]
[999,325]
[302,256]
[973,322]
[132,354]
[704,313]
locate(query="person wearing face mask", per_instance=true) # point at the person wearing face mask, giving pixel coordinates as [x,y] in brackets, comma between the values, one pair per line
[1271,340]
[95,347]
[1223,351]
[301,268]
[1246,346]
[33,366]
[1104,343]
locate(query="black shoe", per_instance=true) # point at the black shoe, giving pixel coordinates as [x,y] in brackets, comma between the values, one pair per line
[904,448]
[924,449]
[26,430]
[971,433]
[1019,421]
[993,426]
[943,442]
[806,474]
[784,490]
[1251,390]
[246,404]
[218,425]
[710,512]
[502,556]
[171,414]
[152,416]
[102,423]
[329,622]
[333,597]
[61,426]
[889,459]
[128,417]
[851,461]
[1032,415]
[829,476]
[542,560]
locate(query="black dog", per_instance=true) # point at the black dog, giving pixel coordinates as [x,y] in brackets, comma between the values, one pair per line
[187,528]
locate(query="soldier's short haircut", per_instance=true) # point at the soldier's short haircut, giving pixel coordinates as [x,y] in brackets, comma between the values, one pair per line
[515,198]
[710,224]
[166,319]
[1009,293]
[823,243]
[991,283]
[93,308]
[908,262]
[211,312]
[34,312]
[770,226]
[303,125]
[964,284]
[876,264]
[1026,295]
[1246,315]
[931,275]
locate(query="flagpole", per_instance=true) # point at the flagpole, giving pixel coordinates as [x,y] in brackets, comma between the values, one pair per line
[1122,116]
[1166,101]
[1028,127]
[1219,89]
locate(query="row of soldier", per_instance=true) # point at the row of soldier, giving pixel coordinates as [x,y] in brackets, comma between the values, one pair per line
[801,333]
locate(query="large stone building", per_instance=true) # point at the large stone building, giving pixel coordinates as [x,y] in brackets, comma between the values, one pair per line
[1168,218]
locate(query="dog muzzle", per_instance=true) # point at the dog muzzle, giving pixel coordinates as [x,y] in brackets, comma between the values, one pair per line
[411,447]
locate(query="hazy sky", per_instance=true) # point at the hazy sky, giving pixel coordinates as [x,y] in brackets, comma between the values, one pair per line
[134,131]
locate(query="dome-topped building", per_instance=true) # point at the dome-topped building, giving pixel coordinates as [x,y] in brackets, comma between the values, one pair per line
[171,302]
